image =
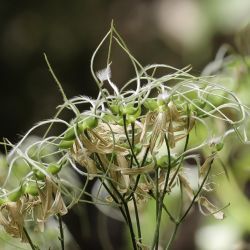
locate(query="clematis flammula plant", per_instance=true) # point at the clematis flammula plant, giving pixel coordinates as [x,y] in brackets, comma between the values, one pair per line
[135,140]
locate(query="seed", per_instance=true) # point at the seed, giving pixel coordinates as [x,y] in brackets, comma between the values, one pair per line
[150,104]
[39,175]
[162,161]
[91,122]
[70,134]
[31,189]
[66,144]
[16,195]
[3,201]
[129,109]
[219,146]
[54,168]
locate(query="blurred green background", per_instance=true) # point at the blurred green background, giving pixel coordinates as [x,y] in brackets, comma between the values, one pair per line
[174,32]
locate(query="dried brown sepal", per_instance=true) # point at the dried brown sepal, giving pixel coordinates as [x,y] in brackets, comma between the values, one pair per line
[12,216]
[51,203]
[211,208]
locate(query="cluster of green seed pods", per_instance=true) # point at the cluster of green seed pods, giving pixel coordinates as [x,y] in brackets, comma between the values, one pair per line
[32,187]
[75,130]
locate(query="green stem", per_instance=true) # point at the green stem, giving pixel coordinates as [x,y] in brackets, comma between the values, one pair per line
[157,229]
[157,209]
[169,165]
[181,160]
[161,202]
[61,238]
[33,247]
[115,199]
[138,176]
[188,209]
[125,213]
[165,208]
[130,145]
[131,230]
[184,150]
[196,195]
[133,134]
[137,219]
[160,199]
[172,236]
[157,193]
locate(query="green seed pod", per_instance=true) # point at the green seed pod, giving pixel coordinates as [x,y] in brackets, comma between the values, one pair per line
[137,148]
[114,108]
[120,121]
[150,104]
[91,122]
[129,109]
[131,118]
[219,146]
[54,168]
[3,201]
[16,195]
[31,189]
[66,144]
[39,175]
[198,106]
[108,118]
[138,112]
[162,108]
[69,134]
[162,161]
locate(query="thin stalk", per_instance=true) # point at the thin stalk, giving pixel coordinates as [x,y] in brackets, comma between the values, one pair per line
[133,142]
[165,208]
[157,193]
[169,214]
[61,238]
[182,157]
[181,201]
[126,213]
[33,247]
[65,99]
[157,230]
[157,206]
[160,199]
[131,230]
[110,42]
[188,209]
[138,224]
[173,236]
[114,188]
[138,176]
[130,145]
[133,134]
[115,199]
[196,195]
[169,165]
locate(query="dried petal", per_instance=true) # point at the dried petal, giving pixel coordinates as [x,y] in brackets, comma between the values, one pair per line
[205,166]
[212,209]
[186,186]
